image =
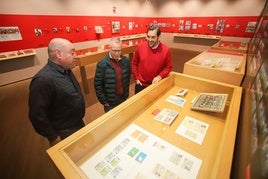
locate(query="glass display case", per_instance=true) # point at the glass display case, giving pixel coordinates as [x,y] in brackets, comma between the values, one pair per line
[233,46]
[129,142]
[222,66]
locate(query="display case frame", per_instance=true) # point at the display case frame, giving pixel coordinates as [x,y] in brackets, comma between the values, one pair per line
[216,151]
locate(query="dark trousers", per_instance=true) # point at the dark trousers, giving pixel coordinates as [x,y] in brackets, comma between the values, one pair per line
[67,132]
[139,88]
[119,99]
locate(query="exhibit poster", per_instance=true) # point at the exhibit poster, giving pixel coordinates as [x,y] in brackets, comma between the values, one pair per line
[10,34]
[137,153]
[193,129]
[166,116]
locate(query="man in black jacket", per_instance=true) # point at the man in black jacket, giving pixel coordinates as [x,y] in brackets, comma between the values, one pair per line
[56,103]
[112,77]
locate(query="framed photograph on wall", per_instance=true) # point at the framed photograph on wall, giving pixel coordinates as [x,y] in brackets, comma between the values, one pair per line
[10,33]
[251,27]
[115,27]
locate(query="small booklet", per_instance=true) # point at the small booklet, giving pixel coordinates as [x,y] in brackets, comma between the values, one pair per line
[166,116]
[209,102]
[181,92]
[176,100]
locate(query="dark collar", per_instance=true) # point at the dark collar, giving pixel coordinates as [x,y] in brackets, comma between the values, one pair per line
[57,67]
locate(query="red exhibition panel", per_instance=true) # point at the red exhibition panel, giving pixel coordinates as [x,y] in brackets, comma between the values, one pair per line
[37,30]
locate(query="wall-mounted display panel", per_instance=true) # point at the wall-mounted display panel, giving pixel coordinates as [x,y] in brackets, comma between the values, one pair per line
[222,26]
[43,28]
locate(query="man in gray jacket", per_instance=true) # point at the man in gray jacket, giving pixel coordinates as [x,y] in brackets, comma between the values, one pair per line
[112,77]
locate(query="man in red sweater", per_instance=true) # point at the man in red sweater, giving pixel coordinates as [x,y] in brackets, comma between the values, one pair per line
[151,61]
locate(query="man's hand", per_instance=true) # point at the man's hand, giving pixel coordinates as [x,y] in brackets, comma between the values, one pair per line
[156,79]
[106,105]
[138,82]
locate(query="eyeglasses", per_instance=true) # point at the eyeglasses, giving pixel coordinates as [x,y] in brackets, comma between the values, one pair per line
[116,51]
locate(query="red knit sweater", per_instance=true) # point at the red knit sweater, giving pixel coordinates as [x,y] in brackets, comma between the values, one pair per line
[147,63]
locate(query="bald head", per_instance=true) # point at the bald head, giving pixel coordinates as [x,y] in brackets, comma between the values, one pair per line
[57,44]
[62,52]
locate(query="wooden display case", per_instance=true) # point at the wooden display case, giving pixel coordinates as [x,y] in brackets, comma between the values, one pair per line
[216,151]
[222,66]
[196,39]
[197,36]
[240,47]
[17,54]
[133,37]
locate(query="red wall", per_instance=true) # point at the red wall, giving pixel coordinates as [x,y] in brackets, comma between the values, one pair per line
[27,24]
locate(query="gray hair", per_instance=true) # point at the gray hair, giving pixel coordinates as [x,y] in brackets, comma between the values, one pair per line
[115,40]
